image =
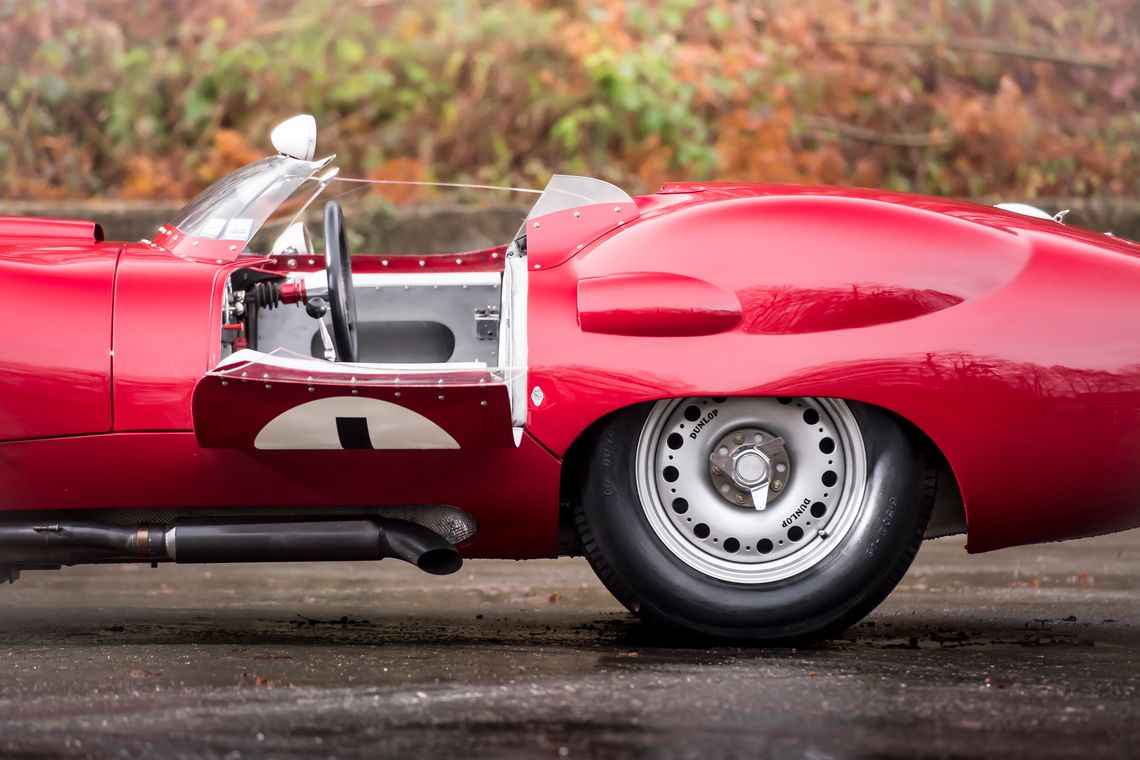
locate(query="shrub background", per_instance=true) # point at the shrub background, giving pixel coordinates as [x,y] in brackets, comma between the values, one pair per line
[153,100]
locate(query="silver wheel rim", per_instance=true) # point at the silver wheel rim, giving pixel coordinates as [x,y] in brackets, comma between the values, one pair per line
[704,524]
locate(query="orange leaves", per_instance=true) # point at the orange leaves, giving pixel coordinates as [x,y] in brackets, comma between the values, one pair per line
[162,177]
[410,27]
[652,163]
[757,148]
[826,166]
[766,149]
[868,172]
[977,98]
[150,179]
[996,134]
[231,150]
[580,39]
[795,24]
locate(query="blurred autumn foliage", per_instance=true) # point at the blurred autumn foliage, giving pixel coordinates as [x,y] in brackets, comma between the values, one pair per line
[135,99]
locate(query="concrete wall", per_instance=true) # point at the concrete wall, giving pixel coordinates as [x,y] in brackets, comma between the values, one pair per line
[444,228]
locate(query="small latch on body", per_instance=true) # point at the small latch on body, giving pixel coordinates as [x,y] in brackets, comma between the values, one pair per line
[487,323]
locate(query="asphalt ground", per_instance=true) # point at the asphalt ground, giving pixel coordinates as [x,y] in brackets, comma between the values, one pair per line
[1030,652]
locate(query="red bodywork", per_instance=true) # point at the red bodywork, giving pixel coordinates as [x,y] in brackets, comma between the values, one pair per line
[1012,343]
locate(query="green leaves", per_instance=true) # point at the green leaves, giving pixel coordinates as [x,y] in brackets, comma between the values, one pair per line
[939,96]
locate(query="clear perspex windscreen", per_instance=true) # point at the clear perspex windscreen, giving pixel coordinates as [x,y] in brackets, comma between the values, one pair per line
[235,207]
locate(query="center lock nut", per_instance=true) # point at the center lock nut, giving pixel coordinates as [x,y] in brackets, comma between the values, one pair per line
[749,467]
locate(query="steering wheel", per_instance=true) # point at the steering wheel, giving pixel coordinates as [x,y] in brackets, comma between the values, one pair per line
[342,298]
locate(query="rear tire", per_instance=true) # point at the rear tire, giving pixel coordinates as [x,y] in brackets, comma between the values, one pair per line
[678,539]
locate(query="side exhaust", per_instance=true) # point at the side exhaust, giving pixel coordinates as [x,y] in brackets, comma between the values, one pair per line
[196,541]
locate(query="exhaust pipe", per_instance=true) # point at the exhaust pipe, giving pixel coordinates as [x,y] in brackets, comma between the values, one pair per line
[200,541]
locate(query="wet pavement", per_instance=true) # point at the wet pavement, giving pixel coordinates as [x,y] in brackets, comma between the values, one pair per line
[1031,652]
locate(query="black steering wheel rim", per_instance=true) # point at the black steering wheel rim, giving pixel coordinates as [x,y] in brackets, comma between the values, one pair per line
[342,298]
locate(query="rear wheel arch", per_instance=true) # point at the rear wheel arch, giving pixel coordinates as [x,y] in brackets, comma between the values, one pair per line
[948,516]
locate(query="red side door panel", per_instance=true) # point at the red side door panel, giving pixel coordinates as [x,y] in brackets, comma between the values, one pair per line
[306,404]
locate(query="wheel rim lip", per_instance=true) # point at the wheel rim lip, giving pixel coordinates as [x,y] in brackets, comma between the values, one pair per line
[845,513]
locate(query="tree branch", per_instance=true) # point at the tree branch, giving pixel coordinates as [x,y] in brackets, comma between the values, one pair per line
[899,139]
[992,47]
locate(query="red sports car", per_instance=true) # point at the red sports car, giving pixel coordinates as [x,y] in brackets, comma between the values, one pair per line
[746,405]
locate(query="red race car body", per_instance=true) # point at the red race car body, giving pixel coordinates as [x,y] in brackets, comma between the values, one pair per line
[182,376]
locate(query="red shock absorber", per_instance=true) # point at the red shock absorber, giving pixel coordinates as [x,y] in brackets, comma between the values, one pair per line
[293,292]
[268,295]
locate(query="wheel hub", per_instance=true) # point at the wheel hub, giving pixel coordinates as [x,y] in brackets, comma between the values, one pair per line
[749,467]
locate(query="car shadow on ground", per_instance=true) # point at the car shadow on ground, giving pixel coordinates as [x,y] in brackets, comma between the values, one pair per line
[615,632]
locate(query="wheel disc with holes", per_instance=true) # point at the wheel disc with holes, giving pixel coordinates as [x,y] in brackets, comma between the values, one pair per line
[702,464]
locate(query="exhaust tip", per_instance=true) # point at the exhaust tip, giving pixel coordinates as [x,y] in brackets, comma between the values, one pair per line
[441,561]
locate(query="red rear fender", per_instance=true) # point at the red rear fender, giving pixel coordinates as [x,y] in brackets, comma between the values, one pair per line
[55,359]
